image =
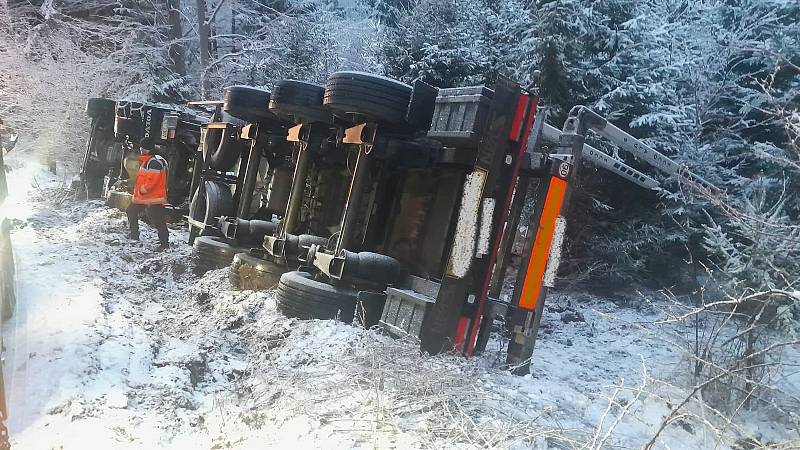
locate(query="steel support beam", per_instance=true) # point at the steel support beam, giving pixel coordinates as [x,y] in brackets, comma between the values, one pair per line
[248,185]
[552,202]
[361,176]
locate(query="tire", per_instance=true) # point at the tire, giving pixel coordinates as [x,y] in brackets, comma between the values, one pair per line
[228,151]
[179,179]
[209,253]
[227,118]
[299,102]
[255,274]
[302,297]
[211,201]
[373,96]
[7,279]
[101,108]
[248,103]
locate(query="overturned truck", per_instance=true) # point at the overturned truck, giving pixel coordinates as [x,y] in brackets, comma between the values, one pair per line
[425,174]
[381,202]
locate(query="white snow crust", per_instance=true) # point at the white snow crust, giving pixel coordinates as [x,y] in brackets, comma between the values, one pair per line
[116,346]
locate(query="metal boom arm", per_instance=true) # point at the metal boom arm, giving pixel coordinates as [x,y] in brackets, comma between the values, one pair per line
[603,160]
[593,121]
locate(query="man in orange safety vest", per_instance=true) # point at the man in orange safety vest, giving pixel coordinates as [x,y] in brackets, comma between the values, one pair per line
[150,194]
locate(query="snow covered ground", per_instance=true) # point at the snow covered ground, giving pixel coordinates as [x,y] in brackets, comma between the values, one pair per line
[116,346]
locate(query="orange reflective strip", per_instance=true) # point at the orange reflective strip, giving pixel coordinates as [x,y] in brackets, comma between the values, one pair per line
[541,246]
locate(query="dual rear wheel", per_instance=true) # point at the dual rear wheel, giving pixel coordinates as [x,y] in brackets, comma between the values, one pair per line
[211,252]
[300,295]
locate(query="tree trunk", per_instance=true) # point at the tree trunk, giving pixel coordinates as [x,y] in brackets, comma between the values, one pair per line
[202,31]
[176,50]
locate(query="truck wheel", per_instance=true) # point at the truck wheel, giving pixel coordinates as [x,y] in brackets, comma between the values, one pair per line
[210,202]
[228,151]
[299,295]
[298,102]
[248,103]
[369,95]
[209,253]
[7,286]
[249,273]
[100,107]
[179,179]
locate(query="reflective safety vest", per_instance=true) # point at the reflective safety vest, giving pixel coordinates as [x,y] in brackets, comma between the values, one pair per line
[151,181]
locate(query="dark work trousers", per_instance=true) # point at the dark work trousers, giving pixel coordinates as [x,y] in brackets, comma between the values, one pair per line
[156,213]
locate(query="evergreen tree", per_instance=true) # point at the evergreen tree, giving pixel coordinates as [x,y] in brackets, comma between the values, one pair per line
[441,42]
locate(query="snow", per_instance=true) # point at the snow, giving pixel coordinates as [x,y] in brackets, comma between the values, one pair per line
[116,346]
